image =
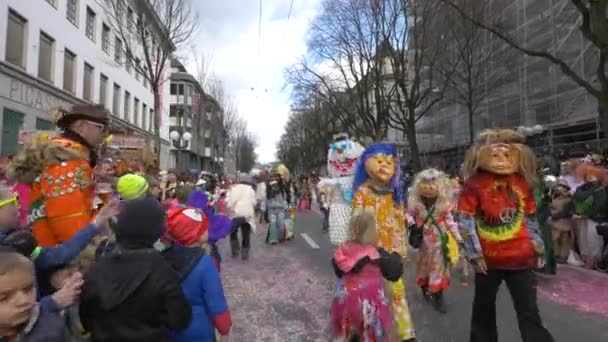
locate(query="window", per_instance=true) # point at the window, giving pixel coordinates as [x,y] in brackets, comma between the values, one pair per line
[128,64]
[44,125]
[105,38]
[144,79]
[129,20]
[72,12]
[116,100]
[127,105]
[15,39]
[138,64]
[180,89]
[103,89]
[45,57]
[151,121]
[52,3]
[173,89]
[12,123]
[90,29]
[117,50]
[144,117]
[69,70]
[136,111]
[87,82]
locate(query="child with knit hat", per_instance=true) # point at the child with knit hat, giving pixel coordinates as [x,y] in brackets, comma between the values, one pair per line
[133,294]
[187,231]
[131,186]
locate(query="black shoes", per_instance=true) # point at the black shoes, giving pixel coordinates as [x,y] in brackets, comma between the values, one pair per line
[439,302]
[234,248]
[245,253]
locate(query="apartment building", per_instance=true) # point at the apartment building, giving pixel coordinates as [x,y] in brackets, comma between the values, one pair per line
[62,52]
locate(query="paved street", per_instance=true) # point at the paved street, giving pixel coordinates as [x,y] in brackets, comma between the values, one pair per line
[283,294]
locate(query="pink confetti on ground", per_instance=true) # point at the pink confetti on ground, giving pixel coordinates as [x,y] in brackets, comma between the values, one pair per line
[275,296]
[585,290]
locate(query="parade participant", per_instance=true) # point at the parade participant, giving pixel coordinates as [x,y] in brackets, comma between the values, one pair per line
[590,206]
[241,206]
[360,310]
[183,247]
[376,188]
[561,221]
[134,294]
[431,207]
[277,202]
[60,171]
[341,162]
[497,221]
[260,195]
[132,187]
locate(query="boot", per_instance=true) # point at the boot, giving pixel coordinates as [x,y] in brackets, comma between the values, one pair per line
[245,253]
[234,248]
[425,293]
[439,303]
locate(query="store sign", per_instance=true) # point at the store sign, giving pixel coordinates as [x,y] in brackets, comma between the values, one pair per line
[28,95]
[127,141]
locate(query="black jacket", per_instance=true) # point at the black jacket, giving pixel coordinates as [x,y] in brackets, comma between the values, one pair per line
[133,296]
[391,265]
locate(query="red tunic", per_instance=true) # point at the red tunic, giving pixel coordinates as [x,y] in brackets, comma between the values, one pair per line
[500,205]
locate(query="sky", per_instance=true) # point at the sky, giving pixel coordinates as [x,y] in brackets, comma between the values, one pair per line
[228,38]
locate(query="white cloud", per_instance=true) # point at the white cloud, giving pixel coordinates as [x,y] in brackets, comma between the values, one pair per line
[229,35]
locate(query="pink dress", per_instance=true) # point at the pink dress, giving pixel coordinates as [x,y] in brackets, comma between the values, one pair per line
[360,305]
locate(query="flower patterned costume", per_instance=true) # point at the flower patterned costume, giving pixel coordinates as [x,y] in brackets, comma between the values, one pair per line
[386,201]
[341,162]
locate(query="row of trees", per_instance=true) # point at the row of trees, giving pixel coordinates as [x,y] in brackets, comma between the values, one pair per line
[377,65]
[150,32]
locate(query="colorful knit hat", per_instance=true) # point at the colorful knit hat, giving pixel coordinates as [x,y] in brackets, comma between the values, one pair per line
[132,186]
[186,225]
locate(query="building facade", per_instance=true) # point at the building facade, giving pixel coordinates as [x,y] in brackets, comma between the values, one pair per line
[62,52]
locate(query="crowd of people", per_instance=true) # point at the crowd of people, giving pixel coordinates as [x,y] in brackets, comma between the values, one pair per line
[96,249]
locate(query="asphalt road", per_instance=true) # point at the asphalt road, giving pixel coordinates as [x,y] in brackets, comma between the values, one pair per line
[283,293]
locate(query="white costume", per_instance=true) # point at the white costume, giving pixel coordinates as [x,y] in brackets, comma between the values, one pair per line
[341,162]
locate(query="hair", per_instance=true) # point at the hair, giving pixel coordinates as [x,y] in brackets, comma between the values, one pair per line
[11,261]
[527,159]
[584,170]
[445,189]
[361,176]
[363,227]
[183,192]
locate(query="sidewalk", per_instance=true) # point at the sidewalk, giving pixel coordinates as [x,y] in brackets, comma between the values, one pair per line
[583,289]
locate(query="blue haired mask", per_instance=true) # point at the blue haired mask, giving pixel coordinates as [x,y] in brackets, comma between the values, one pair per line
[361,175]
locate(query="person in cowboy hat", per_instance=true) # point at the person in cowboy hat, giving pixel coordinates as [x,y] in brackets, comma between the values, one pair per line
[59,169]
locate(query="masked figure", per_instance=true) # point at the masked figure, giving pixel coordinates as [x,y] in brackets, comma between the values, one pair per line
[341,161]
[376,188]
[497,221]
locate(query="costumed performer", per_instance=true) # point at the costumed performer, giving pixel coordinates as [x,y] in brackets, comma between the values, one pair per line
[60,172]
[376,188]
[277,199]
[341,162]
[497,221]
[430,205]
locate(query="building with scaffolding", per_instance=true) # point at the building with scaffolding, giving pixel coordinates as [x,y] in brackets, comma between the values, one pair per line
[532,92]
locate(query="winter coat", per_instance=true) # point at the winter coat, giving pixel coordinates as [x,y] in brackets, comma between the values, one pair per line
[590,200]
[241,201]
[133,295]
[352,258]
[202,287]
[43,326]
[562,210]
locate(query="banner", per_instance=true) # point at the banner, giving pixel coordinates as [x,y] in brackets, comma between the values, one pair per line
[127,141]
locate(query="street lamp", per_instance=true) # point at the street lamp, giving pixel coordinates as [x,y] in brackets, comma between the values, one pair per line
[180,142]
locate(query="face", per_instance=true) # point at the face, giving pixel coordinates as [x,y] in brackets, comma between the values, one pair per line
[9,215]
[106,169]
[380,167]
[500,159]
[172,177]
[17,298]
[591,178]
[93,132]
[428,189]
[155,191]
[342,157]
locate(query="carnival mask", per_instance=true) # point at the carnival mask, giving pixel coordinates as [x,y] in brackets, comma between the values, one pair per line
[342,158]
[380,167]
[500,159]
[428,188]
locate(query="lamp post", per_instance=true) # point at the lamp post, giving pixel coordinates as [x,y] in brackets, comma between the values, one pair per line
[180,142]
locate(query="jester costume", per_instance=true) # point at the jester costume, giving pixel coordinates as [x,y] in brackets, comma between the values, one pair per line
[386,201]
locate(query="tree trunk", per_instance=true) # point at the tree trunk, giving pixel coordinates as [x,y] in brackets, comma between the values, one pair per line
[411,139]
[471,128]
[157,117]
[603,115]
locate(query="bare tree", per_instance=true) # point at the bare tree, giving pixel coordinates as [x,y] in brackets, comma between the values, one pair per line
[149,31]
[416,35]
[473,80]
[346,38]
[593,27]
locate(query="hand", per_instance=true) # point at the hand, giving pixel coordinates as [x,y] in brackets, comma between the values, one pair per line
[540,262]
[480,266]
[106,213]
[69,293]
[576,217]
